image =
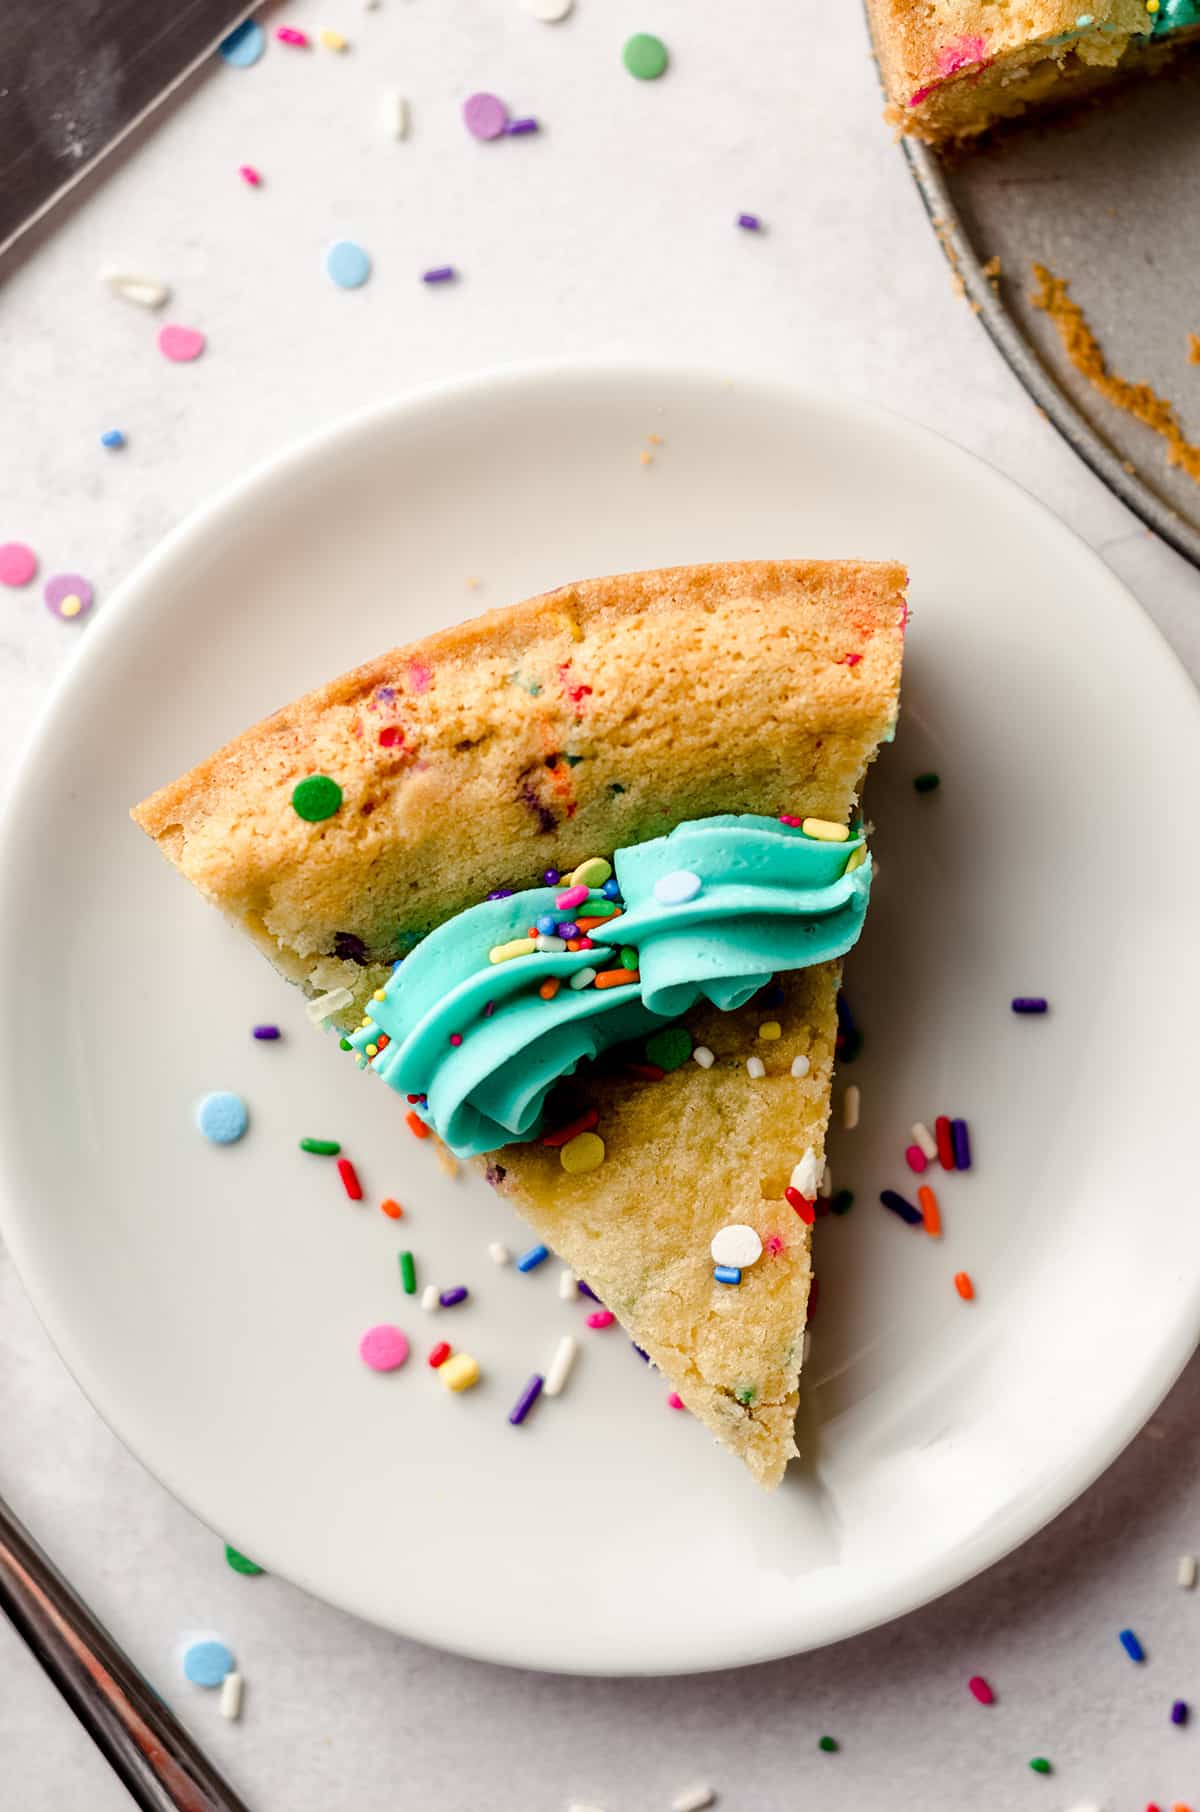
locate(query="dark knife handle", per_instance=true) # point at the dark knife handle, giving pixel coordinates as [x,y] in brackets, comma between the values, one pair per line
[144,1742]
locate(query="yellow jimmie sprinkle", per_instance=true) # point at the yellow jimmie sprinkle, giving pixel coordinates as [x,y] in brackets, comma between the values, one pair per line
[332,40]
[770,1028]
[856,860]
[460,1372]
[824,831]
[520,946]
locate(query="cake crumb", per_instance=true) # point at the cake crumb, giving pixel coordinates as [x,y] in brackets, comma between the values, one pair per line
[1143,403]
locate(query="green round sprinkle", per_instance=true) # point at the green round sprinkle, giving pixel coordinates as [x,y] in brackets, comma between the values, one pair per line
[629,957]
[842,1202]
[645,56]
[344,1044]
[829,1745]
[316,798]
[927,783]
[746,1395]
[1040,1765]
[408,1273]
[670,1048]
[322,1148]
[240,1564]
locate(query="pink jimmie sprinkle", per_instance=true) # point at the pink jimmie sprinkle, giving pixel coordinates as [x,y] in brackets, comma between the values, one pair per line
[915,1158]
[849,660]
[601,1318]
[981,1690]
[574,896]
[249,174]
[774,1244]
[419,676]
[675,1401]
[287,34]
[791,819]
[952,59]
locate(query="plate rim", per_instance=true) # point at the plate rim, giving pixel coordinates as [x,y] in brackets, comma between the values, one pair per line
[137,593]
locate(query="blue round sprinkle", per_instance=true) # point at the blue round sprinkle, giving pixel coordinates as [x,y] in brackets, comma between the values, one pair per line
[244,45]
[612,888]
[112,437]
[346,264]
[547,924]
[207,1663]
[222,1117]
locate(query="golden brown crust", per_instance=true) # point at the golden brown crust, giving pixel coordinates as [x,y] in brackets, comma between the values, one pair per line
[532,737]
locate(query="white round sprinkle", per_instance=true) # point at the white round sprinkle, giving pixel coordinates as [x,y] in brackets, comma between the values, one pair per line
[1187,1571]
[677,888]
[393,114]
[806,1176]
[559,1369]
[431,1299]
[755,1067]
[736,1245]
[499,1254]
[566,1285]
[703,1056]
[851,1106]
[800,1066]
[694,1799]
[230,1703]
[550,12]
[582,978]
[147,292]
[924,1138]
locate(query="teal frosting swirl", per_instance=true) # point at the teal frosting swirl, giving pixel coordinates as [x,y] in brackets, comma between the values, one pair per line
[770,898]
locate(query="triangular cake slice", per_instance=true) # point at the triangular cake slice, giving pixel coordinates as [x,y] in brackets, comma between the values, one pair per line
[584,725]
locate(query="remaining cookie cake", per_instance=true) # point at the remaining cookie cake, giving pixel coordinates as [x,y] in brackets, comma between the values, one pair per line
[575,879]
[954,67]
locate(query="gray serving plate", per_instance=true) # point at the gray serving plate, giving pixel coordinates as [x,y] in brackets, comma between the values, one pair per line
[1109,199]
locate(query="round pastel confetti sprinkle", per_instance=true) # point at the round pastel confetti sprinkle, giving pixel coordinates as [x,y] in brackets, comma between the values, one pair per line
[240,1564]
[18,563]
[383,1348]
[550,12]
[67,595]
[316,797]
[644,56]
[347,264]
[207,1663]
[670,1048]
[244,45]
[736,1245]
[222,1117]
[485,115]
[180,344]
[677,888]
[581,1154]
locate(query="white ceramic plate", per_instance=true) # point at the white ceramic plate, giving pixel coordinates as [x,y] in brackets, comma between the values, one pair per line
[210,1300]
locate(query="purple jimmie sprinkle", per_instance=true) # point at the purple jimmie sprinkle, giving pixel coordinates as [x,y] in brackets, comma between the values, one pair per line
[750,222]
[1179,1712]
[449,1298]
[489,1009]
[526,1400]
[1030,1003]
[516,128]
[441,273]
[266,1032]
[911,1216]
[501,893]
[586,1290]
[962,1144]
[640,1351]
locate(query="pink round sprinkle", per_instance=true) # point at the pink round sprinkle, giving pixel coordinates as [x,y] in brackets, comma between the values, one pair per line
[249,174]
[982,1691]
[485,115]
[574,896]
[68,595]
[18,563]
[383,1348]
[601,1318]
[180,344]
[915,1158]
[674,1401]
[287,34]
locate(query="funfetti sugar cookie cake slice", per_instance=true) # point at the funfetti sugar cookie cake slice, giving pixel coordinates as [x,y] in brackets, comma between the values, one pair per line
[575,880]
